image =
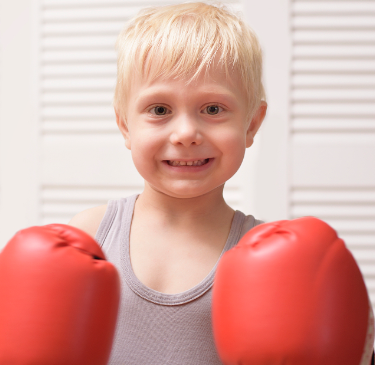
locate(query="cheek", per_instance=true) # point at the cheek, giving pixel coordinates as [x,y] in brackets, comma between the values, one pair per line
[144,141]
[233,142]
[235,148]
[144,150]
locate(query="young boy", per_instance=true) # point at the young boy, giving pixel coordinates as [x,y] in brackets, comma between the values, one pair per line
[189,100]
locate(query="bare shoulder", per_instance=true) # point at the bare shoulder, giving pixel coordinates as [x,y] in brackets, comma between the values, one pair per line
[89,219]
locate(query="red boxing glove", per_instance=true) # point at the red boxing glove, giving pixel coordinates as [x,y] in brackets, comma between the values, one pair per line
[291,293]
[59,298]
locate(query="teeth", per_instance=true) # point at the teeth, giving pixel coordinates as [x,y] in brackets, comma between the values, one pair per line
[190,163]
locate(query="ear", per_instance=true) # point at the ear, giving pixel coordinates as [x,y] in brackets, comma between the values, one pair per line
[255,123]
[123,126]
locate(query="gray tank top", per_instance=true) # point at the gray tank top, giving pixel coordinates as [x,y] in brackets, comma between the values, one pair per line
[157,328]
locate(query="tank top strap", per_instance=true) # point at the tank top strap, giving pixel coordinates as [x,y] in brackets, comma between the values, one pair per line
[117,217]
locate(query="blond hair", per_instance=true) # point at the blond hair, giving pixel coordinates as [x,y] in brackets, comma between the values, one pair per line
[176,41]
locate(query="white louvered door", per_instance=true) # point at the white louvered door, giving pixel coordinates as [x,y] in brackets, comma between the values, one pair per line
[333,121]
[84,160]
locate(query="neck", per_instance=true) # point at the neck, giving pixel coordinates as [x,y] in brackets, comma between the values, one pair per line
[204,209]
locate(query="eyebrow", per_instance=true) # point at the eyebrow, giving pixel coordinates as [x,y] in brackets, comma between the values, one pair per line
[163,93]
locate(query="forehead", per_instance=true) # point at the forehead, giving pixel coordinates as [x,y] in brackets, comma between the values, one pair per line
[214,80]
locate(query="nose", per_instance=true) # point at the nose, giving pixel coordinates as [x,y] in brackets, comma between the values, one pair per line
[186,132]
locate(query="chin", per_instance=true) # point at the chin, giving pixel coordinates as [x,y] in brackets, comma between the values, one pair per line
[185,193]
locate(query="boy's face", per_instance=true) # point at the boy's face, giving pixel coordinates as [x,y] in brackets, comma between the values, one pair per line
[188,140]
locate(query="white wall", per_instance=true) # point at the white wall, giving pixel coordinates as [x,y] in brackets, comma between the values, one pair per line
[18,116]
[269,187]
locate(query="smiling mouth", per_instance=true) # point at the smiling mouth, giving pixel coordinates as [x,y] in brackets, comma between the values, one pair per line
[188,163]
